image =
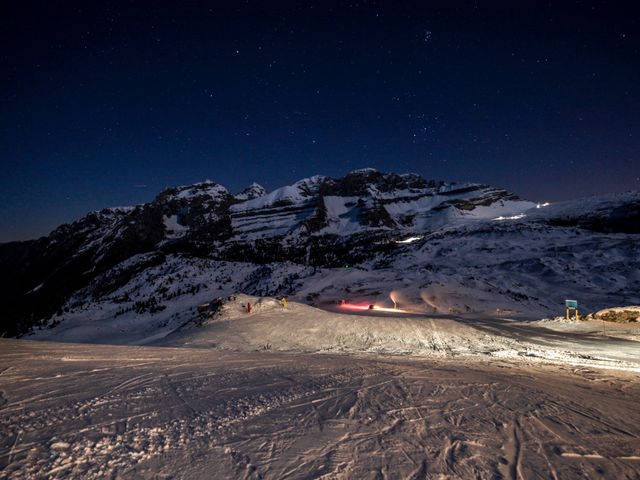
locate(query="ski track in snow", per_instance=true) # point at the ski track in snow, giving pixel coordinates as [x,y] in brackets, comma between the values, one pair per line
[192,413]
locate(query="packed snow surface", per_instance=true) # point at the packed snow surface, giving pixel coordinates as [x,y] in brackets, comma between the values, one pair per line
[302,328]
[71,411]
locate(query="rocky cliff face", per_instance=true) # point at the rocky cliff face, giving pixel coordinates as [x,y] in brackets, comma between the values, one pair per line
[319,222]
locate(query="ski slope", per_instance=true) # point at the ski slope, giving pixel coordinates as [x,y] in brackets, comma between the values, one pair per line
[92,411]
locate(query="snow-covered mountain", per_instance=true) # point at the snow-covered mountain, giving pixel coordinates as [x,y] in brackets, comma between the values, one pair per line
[141,271]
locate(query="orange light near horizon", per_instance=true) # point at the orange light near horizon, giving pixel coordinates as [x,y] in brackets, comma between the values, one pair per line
[393,310]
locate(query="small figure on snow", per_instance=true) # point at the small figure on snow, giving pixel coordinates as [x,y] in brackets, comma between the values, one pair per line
[248,307]
[283,302]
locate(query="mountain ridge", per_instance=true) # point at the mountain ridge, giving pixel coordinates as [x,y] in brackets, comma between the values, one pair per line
[315,223]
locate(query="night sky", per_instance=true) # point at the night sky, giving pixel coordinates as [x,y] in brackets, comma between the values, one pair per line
[106,103]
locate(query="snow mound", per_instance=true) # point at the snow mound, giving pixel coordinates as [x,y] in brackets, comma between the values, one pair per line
[302,328]
[619,314]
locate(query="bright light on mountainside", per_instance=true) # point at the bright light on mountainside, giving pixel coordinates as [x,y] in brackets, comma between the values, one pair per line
[409,240]
[512,217]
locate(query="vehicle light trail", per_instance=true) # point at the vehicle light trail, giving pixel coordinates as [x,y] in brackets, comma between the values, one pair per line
[349,306]
[376,308]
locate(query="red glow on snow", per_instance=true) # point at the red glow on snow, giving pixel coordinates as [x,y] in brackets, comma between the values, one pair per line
[351,306]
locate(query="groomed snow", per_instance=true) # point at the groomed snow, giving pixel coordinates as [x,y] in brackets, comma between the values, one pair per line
[93,412]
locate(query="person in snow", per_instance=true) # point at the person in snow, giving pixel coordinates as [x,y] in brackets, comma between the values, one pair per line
[283,302]
[248,307]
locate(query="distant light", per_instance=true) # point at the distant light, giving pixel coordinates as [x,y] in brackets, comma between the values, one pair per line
[408,240]
[515,217]
[546,204]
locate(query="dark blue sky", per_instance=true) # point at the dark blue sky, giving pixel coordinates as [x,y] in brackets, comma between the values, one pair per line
[106,103]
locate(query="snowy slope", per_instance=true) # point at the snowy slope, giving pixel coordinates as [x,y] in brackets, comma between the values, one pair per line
[515,269]
[460,248]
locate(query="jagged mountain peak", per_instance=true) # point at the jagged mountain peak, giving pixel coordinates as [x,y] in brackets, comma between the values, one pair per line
[363,171]
[207,188]
[255,190]
[298,193]
[369,180]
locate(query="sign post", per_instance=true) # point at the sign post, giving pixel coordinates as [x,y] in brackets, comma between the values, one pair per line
[572,305]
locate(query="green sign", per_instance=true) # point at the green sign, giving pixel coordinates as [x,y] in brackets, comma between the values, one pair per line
[571,303]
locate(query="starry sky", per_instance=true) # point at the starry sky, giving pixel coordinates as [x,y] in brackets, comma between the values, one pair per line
[106,103]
